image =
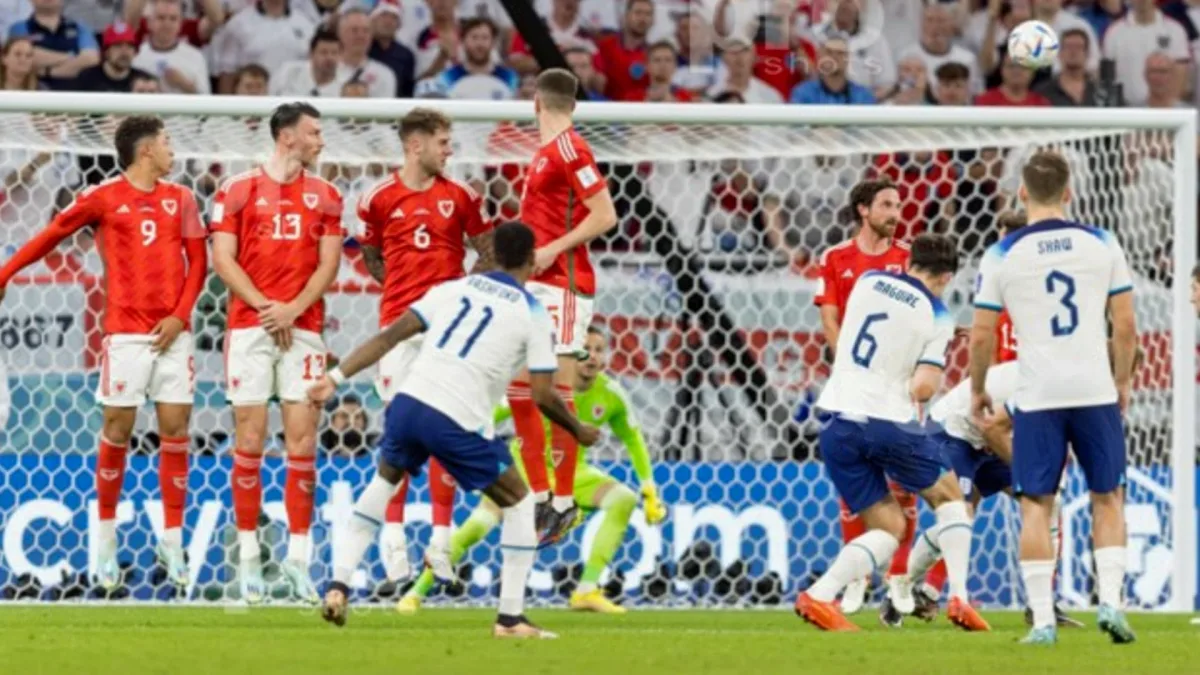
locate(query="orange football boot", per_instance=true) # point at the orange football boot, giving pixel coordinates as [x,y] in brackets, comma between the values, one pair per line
[824,615]
[963,615]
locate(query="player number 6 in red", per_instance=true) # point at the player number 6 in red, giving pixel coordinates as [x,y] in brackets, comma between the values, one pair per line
[314,366]
[421,238]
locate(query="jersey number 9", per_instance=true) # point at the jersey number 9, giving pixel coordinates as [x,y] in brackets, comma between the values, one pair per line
[149,232]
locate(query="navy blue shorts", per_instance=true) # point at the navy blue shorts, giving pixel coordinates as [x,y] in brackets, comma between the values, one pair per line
[1040,439]
[860,456]
[413,432]
[976,470]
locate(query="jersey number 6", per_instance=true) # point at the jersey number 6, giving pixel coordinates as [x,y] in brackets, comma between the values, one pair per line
[864,343]
[1059,325]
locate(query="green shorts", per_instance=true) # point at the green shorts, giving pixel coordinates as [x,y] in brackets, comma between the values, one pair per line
[588,479]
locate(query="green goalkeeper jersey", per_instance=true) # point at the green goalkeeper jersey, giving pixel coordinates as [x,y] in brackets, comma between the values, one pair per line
[607,404]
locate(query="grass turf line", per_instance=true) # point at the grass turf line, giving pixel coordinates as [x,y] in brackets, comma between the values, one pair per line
[178,641]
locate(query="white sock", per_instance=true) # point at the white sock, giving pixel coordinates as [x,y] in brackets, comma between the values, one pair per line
[1039,589]
[394,533]
[954,538]
[1056,529]
[859,558]
[561,504]
[1110,575]
[172,537]
[106,536]
[440,539]
[297,548]
[247,545]
[518,539]
[923,555]
[368,515]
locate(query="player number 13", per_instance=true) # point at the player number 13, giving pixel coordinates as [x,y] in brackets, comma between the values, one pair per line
[287,226]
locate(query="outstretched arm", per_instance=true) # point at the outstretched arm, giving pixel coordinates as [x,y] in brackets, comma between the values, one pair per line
[81,212]
[367,354]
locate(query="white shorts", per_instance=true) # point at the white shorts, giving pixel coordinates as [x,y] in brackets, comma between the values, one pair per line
[255,369]
[132,373]
[395,365]
[571,314]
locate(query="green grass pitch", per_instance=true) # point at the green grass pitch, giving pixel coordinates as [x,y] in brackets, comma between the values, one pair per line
[181,641]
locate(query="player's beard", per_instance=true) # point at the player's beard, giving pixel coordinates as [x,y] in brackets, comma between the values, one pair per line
[885,228]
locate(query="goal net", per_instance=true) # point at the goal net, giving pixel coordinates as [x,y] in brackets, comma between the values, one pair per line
[705,294]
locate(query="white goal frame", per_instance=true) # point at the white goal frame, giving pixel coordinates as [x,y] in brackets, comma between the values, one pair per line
[1181,123]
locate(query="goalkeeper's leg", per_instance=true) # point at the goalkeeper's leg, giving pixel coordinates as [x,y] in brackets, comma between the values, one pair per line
[595,489]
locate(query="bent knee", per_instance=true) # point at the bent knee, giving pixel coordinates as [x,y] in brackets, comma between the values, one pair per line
[620,500]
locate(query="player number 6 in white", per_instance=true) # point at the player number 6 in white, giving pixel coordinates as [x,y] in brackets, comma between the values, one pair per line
[287,226]
[149,232]
[421,237]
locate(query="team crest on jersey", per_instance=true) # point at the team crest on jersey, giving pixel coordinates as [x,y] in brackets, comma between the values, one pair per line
[170,206]
[445,207]
[597,411]
[310,200]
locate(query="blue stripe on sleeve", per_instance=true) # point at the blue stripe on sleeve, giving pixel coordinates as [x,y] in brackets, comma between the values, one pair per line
[1118,291]
[930,362]
[988,305]
[420,317]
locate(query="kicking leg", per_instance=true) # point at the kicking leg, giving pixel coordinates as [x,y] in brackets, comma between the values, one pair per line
[110,474]
[482,520]
[518,539]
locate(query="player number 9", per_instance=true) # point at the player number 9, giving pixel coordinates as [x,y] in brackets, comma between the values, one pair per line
[421,237]
[149,232]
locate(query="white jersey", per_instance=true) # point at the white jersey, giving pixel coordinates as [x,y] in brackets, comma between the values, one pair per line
[892,324]
[1055,278]
[953,411]
[479,332]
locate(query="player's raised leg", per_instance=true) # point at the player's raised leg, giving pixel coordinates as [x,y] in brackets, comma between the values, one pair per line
[473,530]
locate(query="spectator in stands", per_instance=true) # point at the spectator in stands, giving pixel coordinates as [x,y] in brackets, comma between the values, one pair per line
[565,23]
[251,80]
[117,73]
[1100,14]
[1133,38]
[315,76]
[832,85]
[986,34]
[936,47]
[1072,86]
[16,66]
[145,83]
[898,20]
[1162,80]
[385,22]
[871,63]
[782,58]
[1013,89]
[662,61]
[93,13]
[912,86]
[438,44]
[1052,13]
[952,84]
[12,12]
[267,33]
[479,76]
[354,31]
[196,29]
[621,57]
[181,66]
[738,61]
[698,62]
[65,47]
[582,61]
[347,433]
[355,89]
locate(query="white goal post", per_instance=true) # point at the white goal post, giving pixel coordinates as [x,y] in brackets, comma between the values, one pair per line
[705,293]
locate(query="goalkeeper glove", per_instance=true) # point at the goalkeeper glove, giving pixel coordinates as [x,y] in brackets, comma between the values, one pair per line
[655,510]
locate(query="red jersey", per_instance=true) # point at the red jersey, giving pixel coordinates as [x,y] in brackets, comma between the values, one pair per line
[421,236]
[678,95]
[561,176]
[624,68]
[279,230]
[152,245]
[1006,340]
[996,97]
[843,264]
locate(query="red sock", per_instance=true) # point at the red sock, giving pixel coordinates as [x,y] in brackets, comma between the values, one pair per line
[532,432]
[247,489]
[564,449]
[937,576]
[853,526]
[908,504]
[395,508]
[172,479]
[299,493]
[441,493]
[110,474]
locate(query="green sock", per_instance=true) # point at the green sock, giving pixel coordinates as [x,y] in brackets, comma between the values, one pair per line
[617,507]
[470,533]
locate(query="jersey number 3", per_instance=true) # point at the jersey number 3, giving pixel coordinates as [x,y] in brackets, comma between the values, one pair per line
[865,344]
[1063,286]
[458,319]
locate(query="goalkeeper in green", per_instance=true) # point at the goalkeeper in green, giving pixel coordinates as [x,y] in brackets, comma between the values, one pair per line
[599,401]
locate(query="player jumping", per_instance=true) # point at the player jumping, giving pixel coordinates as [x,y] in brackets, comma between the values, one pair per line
[416,221]
[889,361]
[277,243]
[1058,279]
[566,201]
[601,402]
[153,247]
[482,329]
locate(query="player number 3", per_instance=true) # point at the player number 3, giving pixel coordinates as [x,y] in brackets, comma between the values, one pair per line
[149,232]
